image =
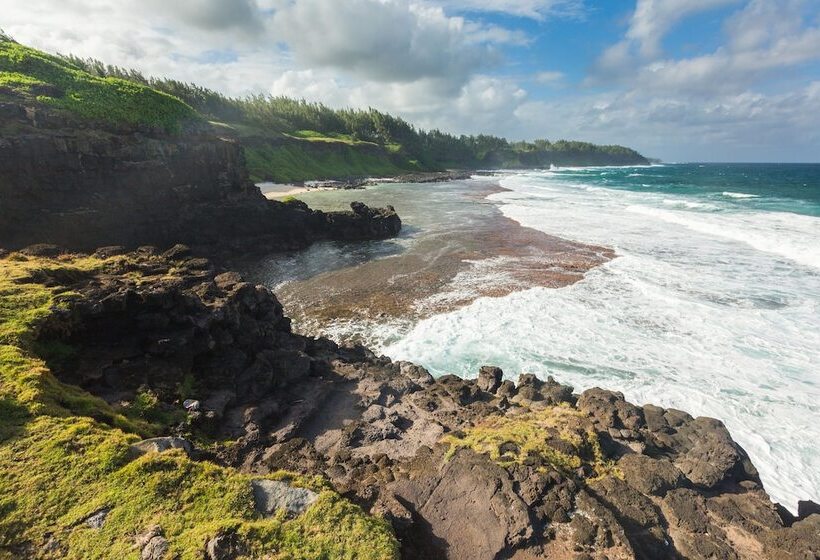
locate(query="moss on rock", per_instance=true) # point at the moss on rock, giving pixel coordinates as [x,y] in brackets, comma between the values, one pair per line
[64,456]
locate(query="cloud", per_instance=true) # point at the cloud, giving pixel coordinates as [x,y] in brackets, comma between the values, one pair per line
[731,127]
[212,15]
[550,78]
[533,9]
[654,18]
[383,40]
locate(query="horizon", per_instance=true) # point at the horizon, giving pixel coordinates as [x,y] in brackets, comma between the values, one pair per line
[685,81]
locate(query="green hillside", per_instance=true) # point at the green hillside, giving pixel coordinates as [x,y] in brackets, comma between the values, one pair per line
[32,75]
[285,139]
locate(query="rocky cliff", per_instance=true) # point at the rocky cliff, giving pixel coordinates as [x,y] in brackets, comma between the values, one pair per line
[478,468]
[83,185]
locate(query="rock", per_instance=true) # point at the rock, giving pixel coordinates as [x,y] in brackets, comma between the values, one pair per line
[159,445]
[110,251]
[177,252]
[228,280]
[650,476]
[273,495]
[610,409]
[41,250]
[97,519]
[152,544]
[712,456]
[468,506]
[506,389]
[191,405]
[806,508]
[224,546]
[489,378]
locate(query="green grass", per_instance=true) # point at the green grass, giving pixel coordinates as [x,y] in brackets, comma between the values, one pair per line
[42,78]
[294,161]
[64,455]
[329,137]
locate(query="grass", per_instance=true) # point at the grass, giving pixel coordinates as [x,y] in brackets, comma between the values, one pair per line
[295,161]
[41,78]
[64,455]
[510,440]
[329,137]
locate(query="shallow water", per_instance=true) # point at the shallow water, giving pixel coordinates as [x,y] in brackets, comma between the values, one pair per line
[711,305]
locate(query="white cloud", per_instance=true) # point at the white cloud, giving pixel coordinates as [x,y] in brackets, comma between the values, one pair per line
[654,18]
[550,78]
[383,40]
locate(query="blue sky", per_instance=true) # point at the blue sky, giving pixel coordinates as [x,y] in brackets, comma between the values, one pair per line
[683,80]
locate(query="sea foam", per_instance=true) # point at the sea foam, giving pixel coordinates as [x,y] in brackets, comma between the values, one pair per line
[711,312]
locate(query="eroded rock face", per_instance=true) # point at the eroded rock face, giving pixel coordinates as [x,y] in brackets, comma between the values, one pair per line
[81,188]
[462,469]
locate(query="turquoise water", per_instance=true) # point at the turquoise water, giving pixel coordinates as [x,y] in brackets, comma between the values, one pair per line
[756,187]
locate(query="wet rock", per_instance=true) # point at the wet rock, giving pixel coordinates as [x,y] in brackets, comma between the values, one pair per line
[273,495]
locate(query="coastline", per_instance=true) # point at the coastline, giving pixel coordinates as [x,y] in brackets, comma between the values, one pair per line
[438,265]
[280,190]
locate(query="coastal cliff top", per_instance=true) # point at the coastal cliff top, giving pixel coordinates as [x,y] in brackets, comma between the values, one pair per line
[262,443]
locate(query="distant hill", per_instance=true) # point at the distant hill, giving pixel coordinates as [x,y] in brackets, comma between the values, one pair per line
[284,139]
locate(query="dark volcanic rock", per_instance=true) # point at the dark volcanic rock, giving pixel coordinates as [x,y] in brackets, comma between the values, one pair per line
[441,459]
[81,188]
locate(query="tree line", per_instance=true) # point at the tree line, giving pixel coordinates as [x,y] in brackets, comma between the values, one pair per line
[432,149]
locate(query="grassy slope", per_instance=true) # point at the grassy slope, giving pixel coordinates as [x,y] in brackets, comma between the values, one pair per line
[298,160]
[36,76]
[63,455]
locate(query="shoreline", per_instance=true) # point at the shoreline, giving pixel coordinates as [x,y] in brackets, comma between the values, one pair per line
[444,268]
[274,191]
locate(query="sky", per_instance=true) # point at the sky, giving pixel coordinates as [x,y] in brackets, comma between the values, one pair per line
[681,80]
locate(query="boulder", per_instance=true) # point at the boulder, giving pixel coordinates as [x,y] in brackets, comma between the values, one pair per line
[650,476]
[489,378]
[152,544]
[159,445]
[273,495]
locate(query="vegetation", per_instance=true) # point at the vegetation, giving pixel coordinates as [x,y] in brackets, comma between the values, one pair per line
[285,139]
[404,147]
[33,75]
[64,455]
[560,437]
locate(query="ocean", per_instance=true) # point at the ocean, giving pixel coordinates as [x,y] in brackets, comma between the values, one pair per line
[712,304]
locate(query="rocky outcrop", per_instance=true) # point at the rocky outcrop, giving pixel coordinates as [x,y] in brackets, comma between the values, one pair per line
[462,469]
[62,182]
